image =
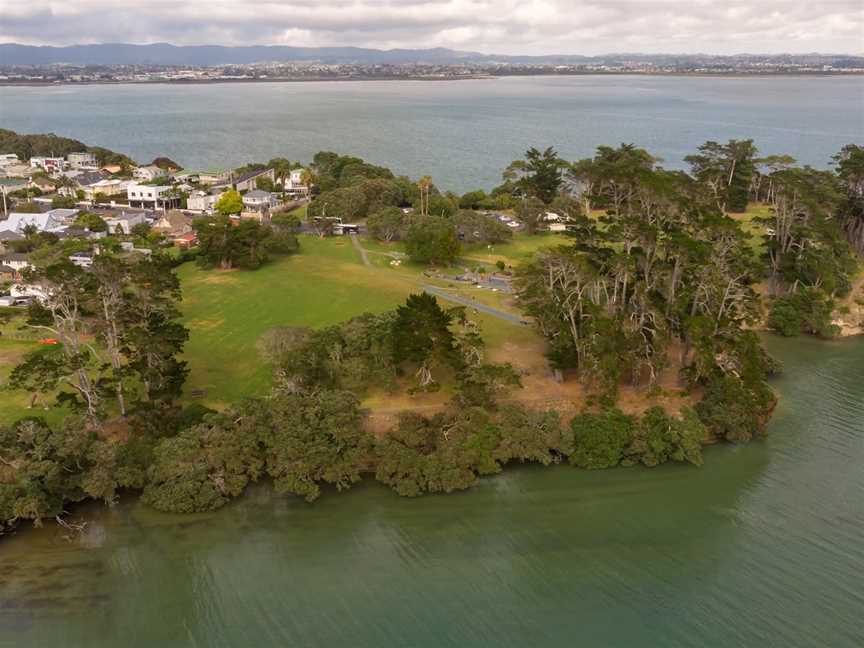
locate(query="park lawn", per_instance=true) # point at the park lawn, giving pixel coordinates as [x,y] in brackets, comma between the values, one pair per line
[752,227]
[14,404]
[227,312]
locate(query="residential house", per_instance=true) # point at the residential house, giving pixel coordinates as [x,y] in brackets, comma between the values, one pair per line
[173,223]
[125,221]
[49,164]
[113,169]
[7,159]
[187,240]
[45,222]
[79,160]
[294,185]
[107,187]
[7,273]
[152,196]
[82,259]
[6,236]
[17,170]
[149,173]
[17,261]
[259,201]
[201,201]
[248,181]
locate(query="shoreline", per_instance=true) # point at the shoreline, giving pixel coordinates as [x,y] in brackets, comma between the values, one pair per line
[467,77]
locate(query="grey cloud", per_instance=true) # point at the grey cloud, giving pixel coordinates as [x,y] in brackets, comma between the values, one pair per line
[495,26]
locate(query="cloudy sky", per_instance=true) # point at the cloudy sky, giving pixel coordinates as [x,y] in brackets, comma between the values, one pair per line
[494,26]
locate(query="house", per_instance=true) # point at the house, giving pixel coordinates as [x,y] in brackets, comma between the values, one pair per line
[17,170]
[17,261]
[12,184]
[43,184]
[186,240]
[107,187]
[248,181]
[113,169]
[125,221]
[49,164]
[152,196]
[149,173]
[259,201]
[201,201]
[82,259]
[8,273]
[7,159]
[79,160]
[173,223]
[294,185]
[45,222]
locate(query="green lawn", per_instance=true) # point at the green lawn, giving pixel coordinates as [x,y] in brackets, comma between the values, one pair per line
[227,312]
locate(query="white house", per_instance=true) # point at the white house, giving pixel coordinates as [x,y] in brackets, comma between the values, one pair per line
[201,201]
[260,201]
[149,173]
[49,164]
[294,184]
[248,181]
[79,160]
[82,259]
[151,196]
[15,260]
[7,159]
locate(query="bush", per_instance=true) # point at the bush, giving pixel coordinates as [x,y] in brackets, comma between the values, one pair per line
[806,311]
[432,240]
[600,440]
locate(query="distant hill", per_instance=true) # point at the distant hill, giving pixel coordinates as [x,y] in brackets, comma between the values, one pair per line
[216,55]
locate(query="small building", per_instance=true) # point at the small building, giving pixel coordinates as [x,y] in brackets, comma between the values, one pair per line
[248,181]
[50,221]
[149,173]
[294,185]
[187,240]
[202,201]
[81,160]
[152,196]
[8,273]
[16,260]
[7,159]
[82,259]
[106,187]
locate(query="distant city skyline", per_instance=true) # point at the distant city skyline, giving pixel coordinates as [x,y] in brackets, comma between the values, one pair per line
[512,27]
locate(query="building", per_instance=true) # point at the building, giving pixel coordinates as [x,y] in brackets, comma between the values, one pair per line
[173,223]
[124,222]
[81,160]
[186,240]
[201,201]
[7,273]
[149,173]
[82,259]
[17,261]
[152,196]
[248,181]
[259,201]
[49,164]
[7,159]
[294,185]
[50,221]
[107,187]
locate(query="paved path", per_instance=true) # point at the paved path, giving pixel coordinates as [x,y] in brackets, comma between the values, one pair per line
[363,255]
[483,308]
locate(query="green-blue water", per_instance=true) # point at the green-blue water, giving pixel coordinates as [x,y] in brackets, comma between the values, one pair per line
[763,546]
[463,133]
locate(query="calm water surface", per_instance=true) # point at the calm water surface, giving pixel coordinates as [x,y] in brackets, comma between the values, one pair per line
[763,546]
[463,133]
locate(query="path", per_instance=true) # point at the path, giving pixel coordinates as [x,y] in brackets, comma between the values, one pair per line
[443,294]
[363,255]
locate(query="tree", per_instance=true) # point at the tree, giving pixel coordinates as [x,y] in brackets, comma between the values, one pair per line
[432,240]
[90,221]
[422,336]
[228,244]
[600,440]
[539,174]
[850,169]
[229,203]
[387,224]
[728,170]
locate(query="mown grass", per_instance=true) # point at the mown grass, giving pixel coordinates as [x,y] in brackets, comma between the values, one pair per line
[227,312]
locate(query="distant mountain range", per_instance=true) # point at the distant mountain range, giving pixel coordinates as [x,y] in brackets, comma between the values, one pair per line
[213,55]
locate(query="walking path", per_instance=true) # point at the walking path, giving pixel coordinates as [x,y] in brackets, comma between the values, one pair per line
[442,293]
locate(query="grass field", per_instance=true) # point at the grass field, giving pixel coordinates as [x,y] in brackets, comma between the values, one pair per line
[227,312]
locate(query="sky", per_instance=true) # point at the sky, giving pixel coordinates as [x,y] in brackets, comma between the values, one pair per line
[489,26]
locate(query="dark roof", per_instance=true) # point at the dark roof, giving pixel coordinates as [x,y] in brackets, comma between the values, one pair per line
[13,256]
[7,235]
[250,174]
[6,269]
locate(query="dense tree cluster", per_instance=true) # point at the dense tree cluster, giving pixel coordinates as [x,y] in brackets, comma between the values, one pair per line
[228,243]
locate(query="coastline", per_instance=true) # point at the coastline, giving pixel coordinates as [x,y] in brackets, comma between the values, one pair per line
[467,77]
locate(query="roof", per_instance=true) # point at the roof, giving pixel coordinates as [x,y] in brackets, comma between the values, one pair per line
[6,269]
[13,256]
[9,235]
[251,174]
